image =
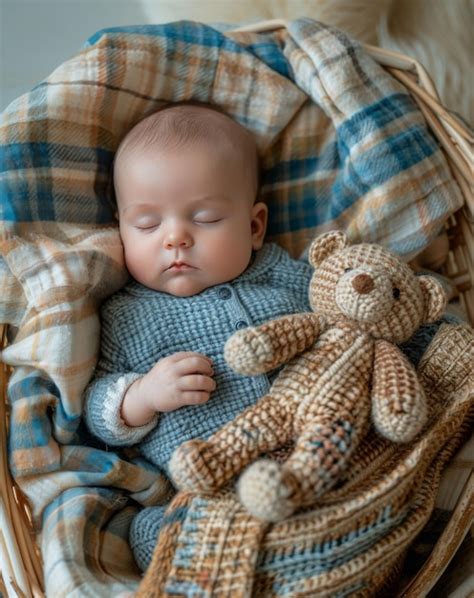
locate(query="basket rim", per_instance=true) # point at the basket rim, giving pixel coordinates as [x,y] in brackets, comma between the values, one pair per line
[17,545]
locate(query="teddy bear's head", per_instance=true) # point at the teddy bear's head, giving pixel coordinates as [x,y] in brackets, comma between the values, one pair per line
[371,287]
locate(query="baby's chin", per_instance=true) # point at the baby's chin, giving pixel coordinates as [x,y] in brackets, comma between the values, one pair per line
[181,286]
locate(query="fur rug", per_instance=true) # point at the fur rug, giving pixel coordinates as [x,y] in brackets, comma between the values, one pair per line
[437,33]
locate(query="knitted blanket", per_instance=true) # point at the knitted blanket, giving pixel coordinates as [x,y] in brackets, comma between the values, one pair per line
[343,146]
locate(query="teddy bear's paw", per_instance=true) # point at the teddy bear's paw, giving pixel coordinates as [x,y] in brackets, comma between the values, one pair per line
[248,352]
[191,470]
[267,491]
[399,425]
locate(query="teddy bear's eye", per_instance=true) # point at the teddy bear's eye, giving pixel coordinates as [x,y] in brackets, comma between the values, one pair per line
[348,269]
[396,293]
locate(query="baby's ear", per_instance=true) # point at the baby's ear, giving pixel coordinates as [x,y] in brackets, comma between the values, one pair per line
[326,244]
[434,298]
[259,224]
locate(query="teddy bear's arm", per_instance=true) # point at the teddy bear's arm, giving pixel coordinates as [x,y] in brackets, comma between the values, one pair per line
[257,350]
[398,399]
[206,465]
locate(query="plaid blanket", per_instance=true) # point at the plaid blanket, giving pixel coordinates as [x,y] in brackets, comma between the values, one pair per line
[343,146]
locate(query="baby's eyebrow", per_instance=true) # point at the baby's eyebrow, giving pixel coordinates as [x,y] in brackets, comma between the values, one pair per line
[208,198]
[152,207]
[140,207]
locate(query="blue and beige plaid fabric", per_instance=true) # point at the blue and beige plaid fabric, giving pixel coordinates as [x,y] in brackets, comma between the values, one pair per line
[343,146]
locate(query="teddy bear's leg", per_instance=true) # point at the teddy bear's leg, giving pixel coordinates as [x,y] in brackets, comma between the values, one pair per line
[322,453]
[272,492]
[202,465]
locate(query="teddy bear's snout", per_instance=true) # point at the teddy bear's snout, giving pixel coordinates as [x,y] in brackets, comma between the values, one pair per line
[364,295]
[363,284]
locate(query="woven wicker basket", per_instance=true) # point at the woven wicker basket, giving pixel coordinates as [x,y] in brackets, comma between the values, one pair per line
[17,539]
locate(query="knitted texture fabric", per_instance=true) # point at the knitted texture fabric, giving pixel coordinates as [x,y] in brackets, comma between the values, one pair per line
[140,326]
[353,541]
[144,532]
[147,523]
[342,370]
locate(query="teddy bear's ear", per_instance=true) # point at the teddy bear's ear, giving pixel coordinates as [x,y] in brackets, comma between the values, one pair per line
[326,244]
[434,297]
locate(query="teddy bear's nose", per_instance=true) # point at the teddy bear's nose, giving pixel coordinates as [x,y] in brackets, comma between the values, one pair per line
[363,284]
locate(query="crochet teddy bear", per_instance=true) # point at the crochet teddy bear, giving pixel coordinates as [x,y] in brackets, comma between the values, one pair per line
[342,369]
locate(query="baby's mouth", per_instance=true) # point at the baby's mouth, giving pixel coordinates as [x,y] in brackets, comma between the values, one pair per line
[179,267]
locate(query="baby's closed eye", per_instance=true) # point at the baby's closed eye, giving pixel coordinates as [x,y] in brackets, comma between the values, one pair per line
[146,223]
[207,217]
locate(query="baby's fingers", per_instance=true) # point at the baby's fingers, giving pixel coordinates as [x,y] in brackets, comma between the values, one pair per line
[195,397]
[184,355]
[197,382]
[195,364]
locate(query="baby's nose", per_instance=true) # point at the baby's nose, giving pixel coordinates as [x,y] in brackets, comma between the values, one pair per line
[177,239]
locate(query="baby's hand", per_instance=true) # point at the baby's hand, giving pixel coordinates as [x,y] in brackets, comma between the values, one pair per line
[183,378]
[180,379]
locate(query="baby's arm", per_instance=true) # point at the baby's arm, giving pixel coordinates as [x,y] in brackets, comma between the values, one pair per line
[112,378]
[180,379]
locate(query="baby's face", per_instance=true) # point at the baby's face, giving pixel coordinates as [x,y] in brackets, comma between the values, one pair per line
[187,218]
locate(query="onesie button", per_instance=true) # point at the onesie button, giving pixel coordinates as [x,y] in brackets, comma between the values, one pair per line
[224,293]
[241,324]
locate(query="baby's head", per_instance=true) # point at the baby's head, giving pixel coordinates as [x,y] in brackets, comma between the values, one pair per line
[186,180]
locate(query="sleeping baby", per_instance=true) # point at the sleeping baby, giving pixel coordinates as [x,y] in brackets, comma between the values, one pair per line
[186,182]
